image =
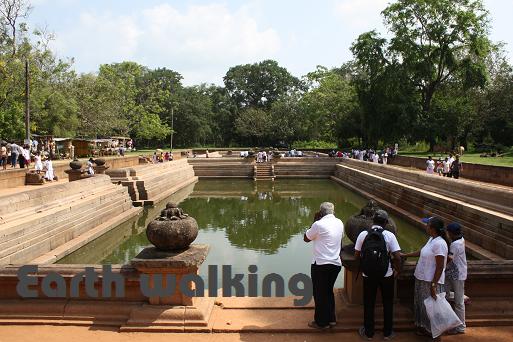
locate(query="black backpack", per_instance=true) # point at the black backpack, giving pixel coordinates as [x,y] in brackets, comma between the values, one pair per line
[375,259]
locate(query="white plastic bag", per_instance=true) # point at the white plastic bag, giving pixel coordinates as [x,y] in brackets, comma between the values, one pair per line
[440,314]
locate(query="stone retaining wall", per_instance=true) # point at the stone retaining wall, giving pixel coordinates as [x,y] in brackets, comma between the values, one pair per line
[235,167]
[484,173]
[488,286]
[44,224]
[494,197]
[488,229]
[16,177]
[222,167]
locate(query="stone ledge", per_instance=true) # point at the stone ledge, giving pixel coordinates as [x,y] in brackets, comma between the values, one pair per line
[152,258]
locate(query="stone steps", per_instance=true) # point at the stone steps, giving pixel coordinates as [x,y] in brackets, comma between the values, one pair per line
[263,171]
[75,216]
[291,169]
[62,212]
[505,230]
[482,226]
[413,203]
[491,196]
[29,217]
[63,232]
[150,181]
[34,197]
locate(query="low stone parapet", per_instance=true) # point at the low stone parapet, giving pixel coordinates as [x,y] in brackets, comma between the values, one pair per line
[480,172]
[497,198]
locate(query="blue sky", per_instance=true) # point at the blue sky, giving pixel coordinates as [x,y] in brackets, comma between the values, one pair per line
[201,39]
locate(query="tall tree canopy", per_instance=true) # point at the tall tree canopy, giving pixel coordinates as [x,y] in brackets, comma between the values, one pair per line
[259,84]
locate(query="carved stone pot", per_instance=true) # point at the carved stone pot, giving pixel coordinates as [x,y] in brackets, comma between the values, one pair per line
[170,235]
[363,221]
[75,164]
[100,162]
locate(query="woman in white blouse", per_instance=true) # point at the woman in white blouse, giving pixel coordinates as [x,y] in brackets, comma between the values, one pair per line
[429,273]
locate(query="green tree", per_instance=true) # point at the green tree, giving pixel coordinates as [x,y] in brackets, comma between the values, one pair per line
[193,117]
[259,84]
[330,106]
[254,125]
[433,43]
[150,127]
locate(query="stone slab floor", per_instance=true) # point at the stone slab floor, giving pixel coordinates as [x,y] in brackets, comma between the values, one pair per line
[14,333]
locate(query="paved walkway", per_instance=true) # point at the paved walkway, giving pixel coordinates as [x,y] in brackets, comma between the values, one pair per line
[105,334]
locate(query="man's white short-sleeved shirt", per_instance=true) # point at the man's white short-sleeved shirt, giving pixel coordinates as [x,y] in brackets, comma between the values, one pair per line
[390,241]
[326,235]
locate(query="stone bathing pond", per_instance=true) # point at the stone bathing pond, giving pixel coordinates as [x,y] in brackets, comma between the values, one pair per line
[245,223]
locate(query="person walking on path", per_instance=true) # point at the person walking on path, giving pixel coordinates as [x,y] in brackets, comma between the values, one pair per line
[456,273]
[446,167]
[429,272]
[38,163]
[430,165]
[456,168]
[326,233]
[26,155]
[49,174]
[3,156]
[15,152]
[373,248]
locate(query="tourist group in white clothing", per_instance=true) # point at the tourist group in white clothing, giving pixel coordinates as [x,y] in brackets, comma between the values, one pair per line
[440,274]
[451,166]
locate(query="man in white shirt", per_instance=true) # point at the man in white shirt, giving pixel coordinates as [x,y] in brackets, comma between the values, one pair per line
[326,233]
[383,278]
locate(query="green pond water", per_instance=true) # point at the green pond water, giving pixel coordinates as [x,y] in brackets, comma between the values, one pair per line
[245,223]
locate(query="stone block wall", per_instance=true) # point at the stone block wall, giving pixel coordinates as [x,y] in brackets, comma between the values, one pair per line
[45,224]
[484,173]
[488,229]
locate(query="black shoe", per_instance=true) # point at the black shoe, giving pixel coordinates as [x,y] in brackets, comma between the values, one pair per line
[362,334]
[313,324]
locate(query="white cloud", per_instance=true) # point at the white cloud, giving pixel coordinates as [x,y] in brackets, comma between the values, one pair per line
[200,42]
[361,14]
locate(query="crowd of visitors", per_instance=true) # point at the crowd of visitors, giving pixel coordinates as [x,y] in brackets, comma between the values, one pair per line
[15,155]
[367,154]
[160,156]
[451,166]
[263,157]
[440,274]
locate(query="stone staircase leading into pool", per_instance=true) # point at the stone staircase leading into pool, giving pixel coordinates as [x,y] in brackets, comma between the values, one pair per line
[44,224]
[150,183]
[264,171]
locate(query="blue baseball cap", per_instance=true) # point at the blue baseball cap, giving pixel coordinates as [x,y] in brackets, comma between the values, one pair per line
[454,228]
[427,219]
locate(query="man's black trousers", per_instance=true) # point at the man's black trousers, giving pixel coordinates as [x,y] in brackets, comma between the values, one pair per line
[370,289]
[323,280]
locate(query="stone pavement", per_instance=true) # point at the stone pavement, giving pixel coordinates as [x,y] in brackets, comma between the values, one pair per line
[14,333]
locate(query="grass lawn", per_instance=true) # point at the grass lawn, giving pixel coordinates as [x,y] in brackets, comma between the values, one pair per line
[468,158]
